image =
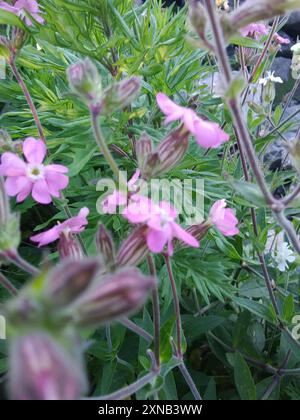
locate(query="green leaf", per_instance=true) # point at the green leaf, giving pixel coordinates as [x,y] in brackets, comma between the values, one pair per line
[288,308]
[251,192]
[243,379]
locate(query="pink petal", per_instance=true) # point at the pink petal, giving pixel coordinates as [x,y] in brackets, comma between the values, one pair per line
[139,211]
[34,150]
[166,105]
[40,192]
[47,237]
[15,184]
[8,7]
[209,135]
[184,236]
[25,192]
[156,240]
[57,168]
[134,179]
[56,182]
[218,210]
[12,165]
[77,223]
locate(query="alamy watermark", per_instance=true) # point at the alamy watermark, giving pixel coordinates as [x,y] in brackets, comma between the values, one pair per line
[2,68]
[185,195]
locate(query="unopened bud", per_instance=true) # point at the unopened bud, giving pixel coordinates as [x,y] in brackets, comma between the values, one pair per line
[119,95]
[198,17]
[19,38]
[85,81]
[171,150]
[143,149]
[105,245]
[118,295]
[71,278]
[296,61]
[199,231]
[41,369]
[134,249]
[68,247]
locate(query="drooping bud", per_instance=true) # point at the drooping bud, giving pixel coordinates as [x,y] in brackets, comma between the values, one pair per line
[6,143]
[119,95]
[18,38]
[198,17]
[296,61]
[171,150]
[68,247]
[41,369]
[68,280]
[116,296]
[143,149]
[85,81]
[134,249]
[105,245]
[199,231]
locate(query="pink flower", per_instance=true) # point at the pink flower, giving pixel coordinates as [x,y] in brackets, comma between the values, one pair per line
[21,7]
[281,40]
[255,30]
[208,134]
[160,220]
[118,198]
[74,225]
[224,219]
[32,177]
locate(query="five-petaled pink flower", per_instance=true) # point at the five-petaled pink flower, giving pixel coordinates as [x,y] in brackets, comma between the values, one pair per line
[23,178]
[208,134]
[74,225]
[118,198]
[21,7]
[224,219]
[160,220]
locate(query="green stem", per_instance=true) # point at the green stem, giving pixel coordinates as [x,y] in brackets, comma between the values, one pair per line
[100,140]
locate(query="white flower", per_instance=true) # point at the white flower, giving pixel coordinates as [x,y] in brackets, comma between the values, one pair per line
[270,78]
[284,256]
[296,48]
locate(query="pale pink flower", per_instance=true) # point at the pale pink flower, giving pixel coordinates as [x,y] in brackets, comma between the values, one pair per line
[160,220]
[118,198]
[21,7]
[32,177]
[208,134]
[255,30]
[73,225]
[224,219]
[281,40]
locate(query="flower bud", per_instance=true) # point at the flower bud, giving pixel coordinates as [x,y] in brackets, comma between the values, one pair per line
[198,17]
[199,231]
[116,296]
[143,149]
[120,95]
[71,278]
[105,245]
[171,150]
[18,38]
[134,249]
[85,81]
[41,369]
[68,247]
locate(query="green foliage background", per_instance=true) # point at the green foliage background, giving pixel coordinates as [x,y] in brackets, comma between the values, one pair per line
[236,323]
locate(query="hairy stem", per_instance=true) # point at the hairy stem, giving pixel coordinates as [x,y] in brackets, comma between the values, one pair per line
[15,258]
[8,285]
[28,98]
[136,329]
[100,140]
